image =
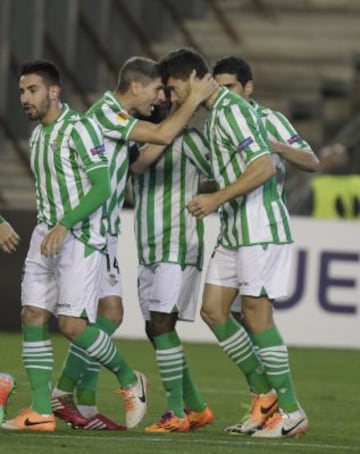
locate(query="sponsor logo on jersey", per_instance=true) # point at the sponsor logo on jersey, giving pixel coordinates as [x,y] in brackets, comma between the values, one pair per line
[123,118]
[98,149]
[243,284]
[245,143]
[294,139]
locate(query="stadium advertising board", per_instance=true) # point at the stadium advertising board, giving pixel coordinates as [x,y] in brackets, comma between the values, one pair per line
[322,308]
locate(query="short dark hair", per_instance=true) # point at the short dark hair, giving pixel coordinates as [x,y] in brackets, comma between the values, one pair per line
[180,64]
[234,65]
[137,69]
[45,69]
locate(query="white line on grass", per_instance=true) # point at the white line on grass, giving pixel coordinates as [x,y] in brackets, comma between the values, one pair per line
[206,442]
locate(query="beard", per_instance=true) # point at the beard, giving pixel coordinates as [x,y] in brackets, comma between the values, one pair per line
[37,113]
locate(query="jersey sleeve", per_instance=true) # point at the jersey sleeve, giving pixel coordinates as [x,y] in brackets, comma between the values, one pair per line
[115,125]
[197,150]
[240,127]
[87,142]
[279,128]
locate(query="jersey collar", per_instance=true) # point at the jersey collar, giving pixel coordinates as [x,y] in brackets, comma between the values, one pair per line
[221,95]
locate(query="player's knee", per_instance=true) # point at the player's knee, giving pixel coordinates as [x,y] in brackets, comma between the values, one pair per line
[71,327]
[211,317]
[162,323]
[112,309]
[34,316]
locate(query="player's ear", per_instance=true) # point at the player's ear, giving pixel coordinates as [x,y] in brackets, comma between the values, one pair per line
[135,87]
[54,92]
[249,88]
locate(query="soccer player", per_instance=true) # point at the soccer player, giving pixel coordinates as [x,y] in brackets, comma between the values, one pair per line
[139,88]
[9,239]
[170,254]
[285,142]
[253,252]
[66,257]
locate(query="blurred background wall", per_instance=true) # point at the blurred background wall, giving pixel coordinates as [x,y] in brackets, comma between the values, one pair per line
[305,56]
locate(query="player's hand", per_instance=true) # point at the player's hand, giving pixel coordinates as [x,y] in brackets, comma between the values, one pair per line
[203,204]
[201,89]
[53,240]
[9,239]
[276,147]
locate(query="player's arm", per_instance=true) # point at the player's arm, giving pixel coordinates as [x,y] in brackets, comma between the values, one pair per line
[285,141]
[9,239]
[303,159]
[145,157]
[165,132]
[255,175]
[90,202]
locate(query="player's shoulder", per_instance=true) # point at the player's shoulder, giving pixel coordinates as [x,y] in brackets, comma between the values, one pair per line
[233,105]
[72,116]
[80,122]
[36,130]
[270,114]
[105,104]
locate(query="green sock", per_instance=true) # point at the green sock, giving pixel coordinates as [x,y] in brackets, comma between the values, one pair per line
[86,386]
[101,348]
[275,358]
[257,354]
[170,360]
[235,342]
[38,361]
[192,396]
[76,363]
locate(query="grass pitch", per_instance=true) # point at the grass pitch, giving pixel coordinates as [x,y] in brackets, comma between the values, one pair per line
[327,383]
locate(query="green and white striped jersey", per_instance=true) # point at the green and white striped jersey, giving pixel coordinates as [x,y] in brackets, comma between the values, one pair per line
[62,154]
[115,124]
[165,231]
[237,137]
[278,128]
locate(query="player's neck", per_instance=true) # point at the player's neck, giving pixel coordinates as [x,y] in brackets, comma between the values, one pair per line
[124,101]
[208,103]
[52,114]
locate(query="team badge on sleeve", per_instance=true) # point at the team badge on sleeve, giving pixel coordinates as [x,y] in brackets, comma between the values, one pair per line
[245,143]
[123,118]
[294,139]
[99,149]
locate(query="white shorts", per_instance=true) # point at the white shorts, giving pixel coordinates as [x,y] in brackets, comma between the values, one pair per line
[167,288]
[111,279]
[66,284]
[252,269]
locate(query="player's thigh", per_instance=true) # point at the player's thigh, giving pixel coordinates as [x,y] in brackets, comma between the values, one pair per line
[145,278]
[169,288]
[220,283]
[79,274]
[38,287]
[111,276]
[257,313]
[264,270]
[166,288]
[188,293]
